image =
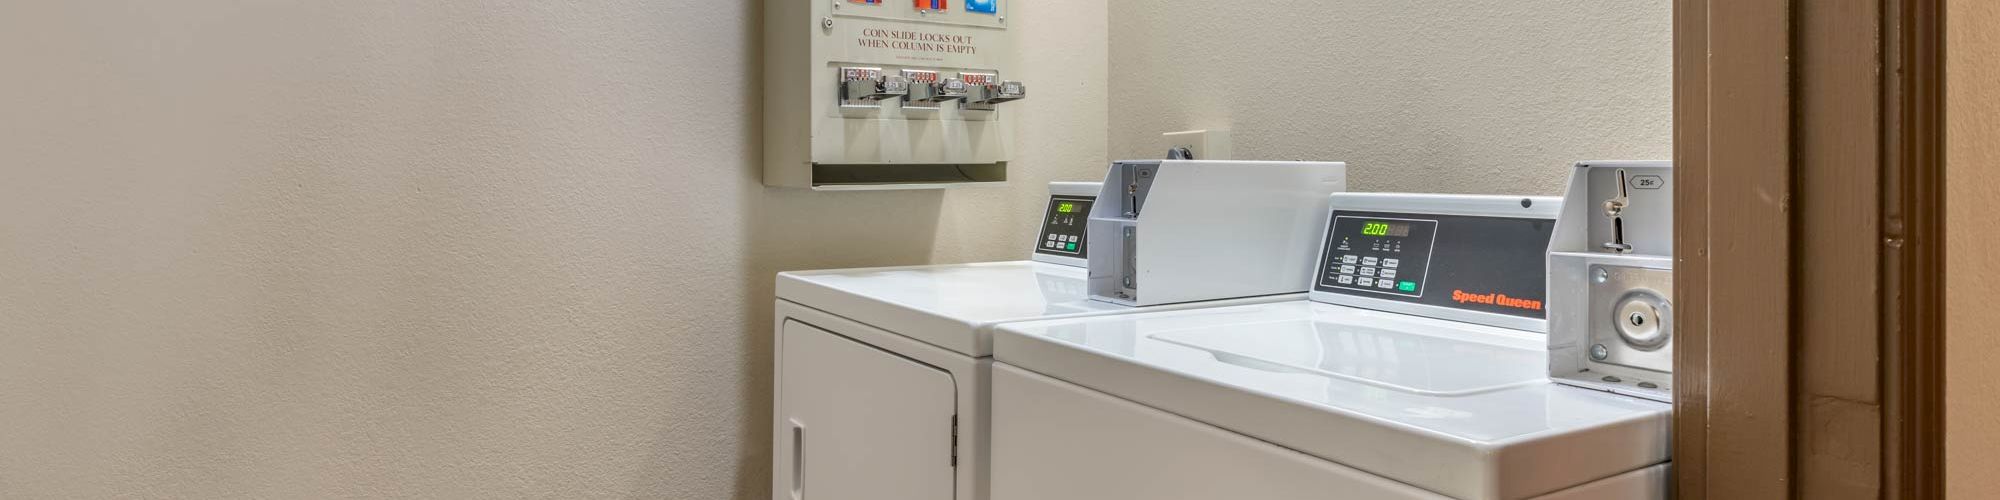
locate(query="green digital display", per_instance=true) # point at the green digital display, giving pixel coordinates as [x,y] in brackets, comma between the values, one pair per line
[1380,228]
[1063,208]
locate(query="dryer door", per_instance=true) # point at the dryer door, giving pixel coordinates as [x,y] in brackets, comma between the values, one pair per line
[861,423]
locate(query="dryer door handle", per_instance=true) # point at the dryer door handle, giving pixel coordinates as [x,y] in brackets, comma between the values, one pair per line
[798,460]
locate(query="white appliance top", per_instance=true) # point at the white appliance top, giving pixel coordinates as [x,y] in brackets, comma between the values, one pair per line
[956,306]
[1460,409]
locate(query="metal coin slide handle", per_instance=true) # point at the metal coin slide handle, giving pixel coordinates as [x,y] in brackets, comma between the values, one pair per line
[1643,319]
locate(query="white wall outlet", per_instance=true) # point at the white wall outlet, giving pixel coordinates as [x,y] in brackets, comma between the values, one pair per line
[1210,144]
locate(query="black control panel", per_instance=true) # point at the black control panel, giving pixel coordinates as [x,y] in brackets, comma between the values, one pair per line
[1063,228]
[1485,264]
[1381,255]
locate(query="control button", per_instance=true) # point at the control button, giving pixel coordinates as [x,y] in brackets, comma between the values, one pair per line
[1367,271]
[1049,244]
[1345,280]
[1388,273]
[1391,263]
[1385,284]
[1368,261]
[1346,269]
[1052,237]
[1349,259]
[1072,247]
[1365,281]
[1407,286]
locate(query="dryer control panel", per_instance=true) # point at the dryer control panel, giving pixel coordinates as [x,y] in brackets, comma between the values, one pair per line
[1065,221]
[1063,227]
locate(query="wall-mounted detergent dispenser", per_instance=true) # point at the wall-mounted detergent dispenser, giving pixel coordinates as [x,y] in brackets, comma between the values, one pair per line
[1611,321]
[868,95]
[1168,231]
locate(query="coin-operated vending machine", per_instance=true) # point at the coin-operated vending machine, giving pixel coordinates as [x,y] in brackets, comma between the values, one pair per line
[1611,280]
[888,94]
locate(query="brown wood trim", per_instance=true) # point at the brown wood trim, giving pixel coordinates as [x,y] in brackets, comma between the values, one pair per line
[1913,264]
[1808,141]
[1732,211]
[1749,248]
[1836,299]
[1690,426]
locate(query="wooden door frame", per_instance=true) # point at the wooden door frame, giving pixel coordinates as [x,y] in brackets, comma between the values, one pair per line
[1914,341]
[1808,148]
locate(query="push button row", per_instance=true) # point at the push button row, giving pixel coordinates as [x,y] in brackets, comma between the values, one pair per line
[1382,283]
[1370,272]
[1369,261]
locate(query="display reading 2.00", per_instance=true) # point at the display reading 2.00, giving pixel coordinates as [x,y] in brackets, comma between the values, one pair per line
[1064,208]
[1380,228]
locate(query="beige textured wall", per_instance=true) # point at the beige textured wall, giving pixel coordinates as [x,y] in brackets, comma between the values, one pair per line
[448,248]
[1972,196]
[1486,96]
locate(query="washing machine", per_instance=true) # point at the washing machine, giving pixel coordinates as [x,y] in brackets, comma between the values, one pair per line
[882,373]
[1417,367]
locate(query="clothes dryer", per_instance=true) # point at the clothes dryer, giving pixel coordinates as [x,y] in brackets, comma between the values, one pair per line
[882,373]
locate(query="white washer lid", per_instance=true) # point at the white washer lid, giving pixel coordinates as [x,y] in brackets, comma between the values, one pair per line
[955,306]
[1460,409]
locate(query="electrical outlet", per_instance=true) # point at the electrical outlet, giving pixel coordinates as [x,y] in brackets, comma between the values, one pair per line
[1205,144]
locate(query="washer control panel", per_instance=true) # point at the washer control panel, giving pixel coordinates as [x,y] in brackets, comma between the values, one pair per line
[1475,263]
[1063,226]
[1381,255]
